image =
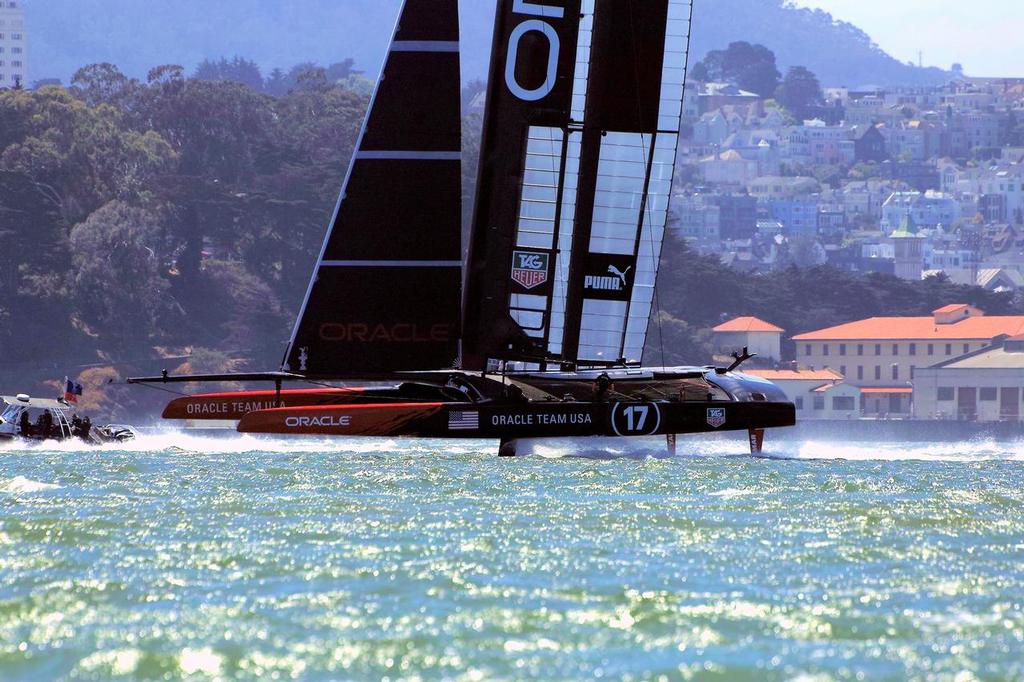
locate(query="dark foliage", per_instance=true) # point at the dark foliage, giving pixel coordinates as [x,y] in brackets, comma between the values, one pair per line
[751,67]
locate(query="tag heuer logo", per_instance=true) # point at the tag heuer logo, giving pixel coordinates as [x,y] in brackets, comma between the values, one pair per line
[716,417]
[529,269]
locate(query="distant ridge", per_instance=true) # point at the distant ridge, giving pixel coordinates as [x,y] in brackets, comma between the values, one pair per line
[67,34]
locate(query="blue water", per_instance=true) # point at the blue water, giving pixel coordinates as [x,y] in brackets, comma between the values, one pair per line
[255,559]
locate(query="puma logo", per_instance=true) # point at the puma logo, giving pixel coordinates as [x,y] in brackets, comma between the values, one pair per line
[617,281]
[620,274]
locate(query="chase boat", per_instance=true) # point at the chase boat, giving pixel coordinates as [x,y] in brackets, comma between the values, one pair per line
[28,419]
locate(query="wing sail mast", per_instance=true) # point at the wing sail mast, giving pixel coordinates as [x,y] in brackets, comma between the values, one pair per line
[577,161]
[385,295]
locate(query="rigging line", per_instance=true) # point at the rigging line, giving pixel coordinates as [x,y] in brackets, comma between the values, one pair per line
[165,390]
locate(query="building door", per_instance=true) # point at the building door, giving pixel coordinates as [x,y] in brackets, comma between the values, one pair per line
[1009,404]
[967,403]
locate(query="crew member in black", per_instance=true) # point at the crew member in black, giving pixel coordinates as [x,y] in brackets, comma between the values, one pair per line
[25,424]
[86,428]
[45,424]
[603,387]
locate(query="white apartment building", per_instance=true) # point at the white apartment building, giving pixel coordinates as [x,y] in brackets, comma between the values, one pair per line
[13,44]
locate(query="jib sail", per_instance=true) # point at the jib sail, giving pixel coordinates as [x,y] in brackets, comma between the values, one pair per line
[385,295]
[577,161]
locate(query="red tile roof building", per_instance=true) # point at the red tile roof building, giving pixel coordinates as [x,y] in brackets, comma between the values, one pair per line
[760,337]
[747,324]
[884,352]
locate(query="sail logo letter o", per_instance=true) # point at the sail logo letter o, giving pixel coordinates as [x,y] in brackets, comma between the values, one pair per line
[555,46]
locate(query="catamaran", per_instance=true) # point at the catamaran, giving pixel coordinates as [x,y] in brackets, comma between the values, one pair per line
[539,331]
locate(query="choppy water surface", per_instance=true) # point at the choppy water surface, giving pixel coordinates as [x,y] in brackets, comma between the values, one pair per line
[255,559]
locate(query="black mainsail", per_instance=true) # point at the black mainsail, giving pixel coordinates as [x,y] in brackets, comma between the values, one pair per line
[385,296]
[577,161]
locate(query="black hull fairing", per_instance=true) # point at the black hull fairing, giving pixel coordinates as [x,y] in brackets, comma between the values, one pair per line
[634,403]
[522,421]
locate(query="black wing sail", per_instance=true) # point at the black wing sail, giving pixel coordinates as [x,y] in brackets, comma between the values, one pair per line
[576,170]
[386,292]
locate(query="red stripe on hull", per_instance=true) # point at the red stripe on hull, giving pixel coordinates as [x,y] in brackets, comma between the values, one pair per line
[347,420]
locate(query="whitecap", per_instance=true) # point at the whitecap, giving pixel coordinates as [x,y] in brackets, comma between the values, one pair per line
[20,484]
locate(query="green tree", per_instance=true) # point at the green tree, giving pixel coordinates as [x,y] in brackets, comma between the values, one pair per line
[800,91]
[118,284]
[751,67]
[237,70]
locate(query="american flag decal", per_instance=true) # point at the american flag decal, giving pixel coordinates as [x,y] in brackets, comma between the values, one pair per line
[463,421]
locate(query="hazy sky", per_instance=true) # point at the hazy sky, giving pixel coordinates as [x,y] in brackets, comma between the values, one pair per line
[983,35]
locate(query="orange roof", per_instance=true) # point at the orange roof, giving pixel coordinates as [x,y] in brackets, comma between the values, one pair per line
[918,328]
[897,389]
[796,375]
[747,324]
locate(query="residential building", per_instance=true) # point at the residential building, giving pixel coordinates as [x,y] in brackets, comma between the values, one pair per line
[713,96]
[886,352]
[698,220]
[775,187]
[981,386]
[728,168]
[13,45]
[919,175]
[799,215]
[927,210]
[831,220]
[737,215]
[869,144]
[758,336]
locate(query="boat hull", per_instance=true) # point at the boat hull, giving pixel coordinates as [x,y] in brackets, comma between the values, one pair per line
[521,420]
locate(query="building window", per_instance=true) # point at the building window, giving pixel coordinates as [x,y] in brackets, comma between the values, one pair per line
[842,370]
[860,372]
[878,373]
[845,403]
[895,372]
[946,394]
[842,349]
[878,349]
[819,402]
[967,348]
[824,349]
[860,349]
[931,349]
[988,394]
[799,402]
[949,349]
[895,349]
[807,349]
[913,349]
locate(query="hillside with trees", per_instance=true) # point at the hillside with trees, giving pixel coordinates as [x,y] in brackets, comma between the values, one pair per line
[135,35]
